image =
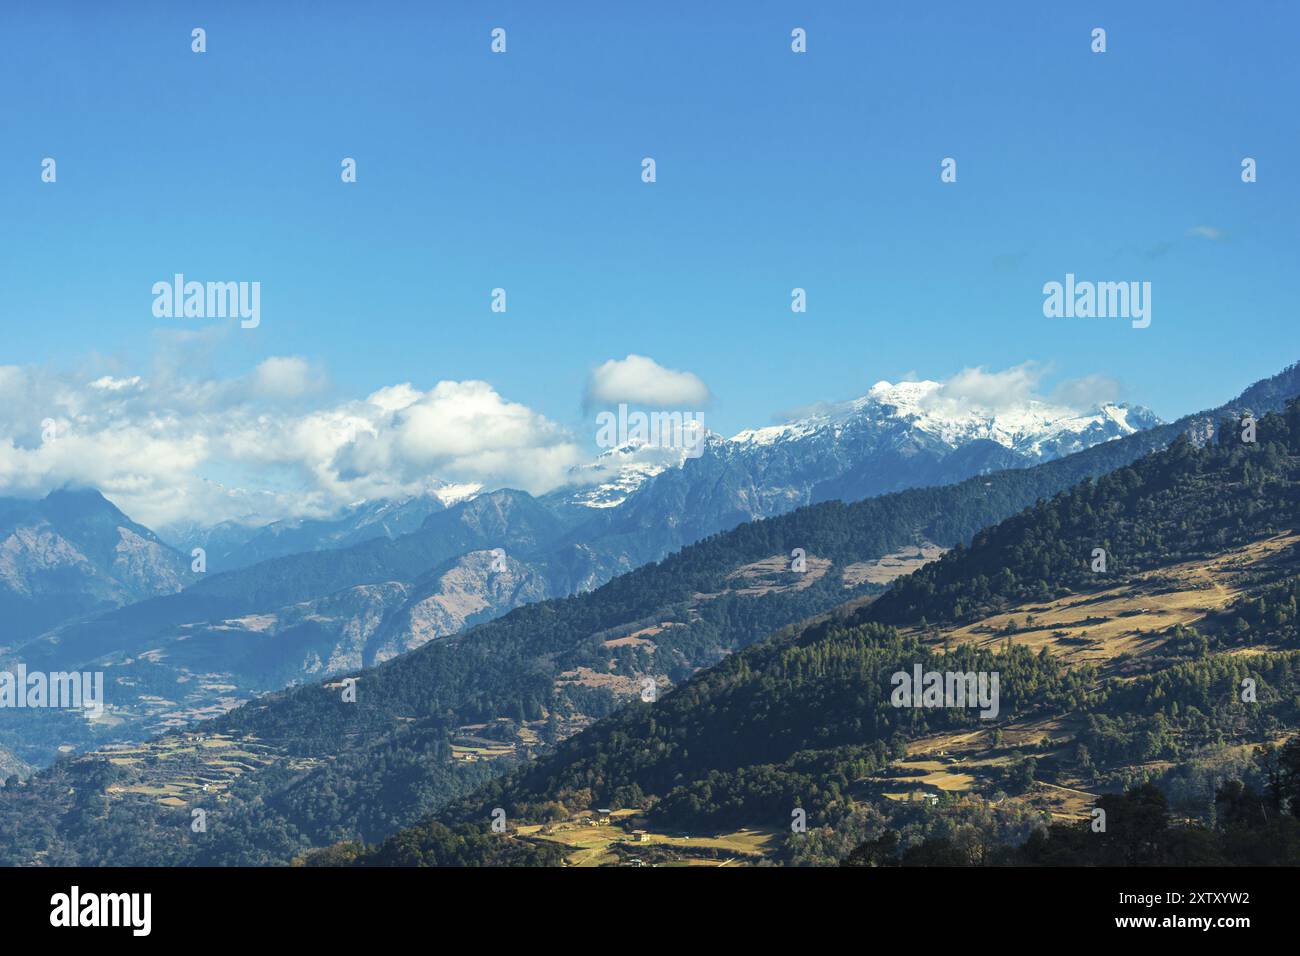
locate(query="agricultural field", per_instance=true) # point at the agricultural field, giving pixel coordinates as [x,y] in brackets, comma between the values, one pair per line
[1099,628]
[975,760]
[621,840]
[176,768]
[1132,618]
[895,565]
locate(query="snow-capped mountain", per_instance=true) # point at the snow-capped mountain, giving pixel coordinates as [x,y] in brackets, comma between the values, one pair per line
[895,436]
[616,473]
[1033,428]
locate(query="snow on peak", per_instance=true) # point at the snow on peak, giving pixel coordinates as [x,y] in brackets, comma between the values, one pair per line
[1031,426]
[619,471]
[453,493]
[902,394]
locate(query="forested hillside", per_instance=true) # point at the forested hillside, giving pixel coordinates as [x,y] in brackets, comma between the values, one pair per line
[802,720]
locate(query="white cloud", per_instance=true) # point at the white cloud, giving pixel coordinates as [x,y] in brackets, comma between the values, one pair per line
[459,431]
[1206,232]
[111,384]
[638,380]
[171,449]
[285,376]
[979,389]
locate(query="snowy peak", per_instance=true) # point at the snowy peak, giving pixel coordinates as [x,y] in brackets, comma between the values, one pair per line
[1031,427]
[893,419]
[617,472]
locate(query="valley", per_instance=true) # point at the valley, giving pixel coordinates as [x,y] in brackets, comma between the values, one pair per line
[510,711]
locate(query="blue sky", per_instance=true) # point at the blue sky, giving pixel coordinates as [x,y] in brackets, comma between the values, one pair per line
[775,170]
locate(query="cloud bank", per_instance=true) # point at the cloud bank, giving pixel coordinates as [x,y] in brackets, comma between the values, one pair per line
[174,447]
[253,449]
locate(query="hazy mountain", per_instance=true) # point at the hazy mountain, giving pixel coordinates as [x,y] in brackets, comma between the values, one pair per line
[231,545]
[73,553]
[190,655]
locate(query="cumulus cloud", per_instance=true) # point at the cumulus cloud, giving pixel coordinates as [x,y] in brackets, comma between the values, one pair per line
[638,380]
[111,384]
[170,449]
[460,431]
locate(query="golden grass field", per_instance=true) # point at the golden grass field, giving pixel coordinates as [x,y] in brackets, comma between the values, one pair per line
[593,844]
[891,566]
[1134,611]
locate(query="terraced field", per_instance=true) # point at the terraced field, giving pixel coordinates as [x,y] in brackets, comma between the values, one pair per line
[174,768]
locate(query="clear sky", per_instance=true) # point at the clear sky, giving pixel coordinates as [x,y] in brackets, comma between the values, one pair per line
[774,170]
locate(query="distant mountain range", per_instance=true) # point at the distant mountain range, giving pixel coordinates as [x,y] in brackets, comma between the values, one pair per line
[231,545]
[384,579]
[302,599]
[897,436]
[184,656]
[433,722]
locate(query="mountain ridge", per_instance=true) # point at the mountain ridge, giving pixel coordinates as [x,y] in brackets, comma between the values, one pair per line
[413,705]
